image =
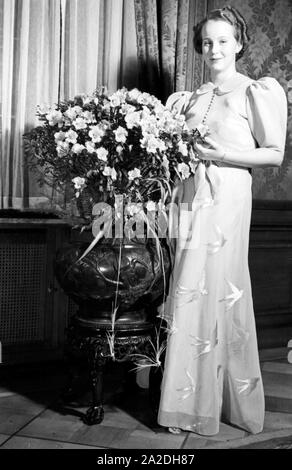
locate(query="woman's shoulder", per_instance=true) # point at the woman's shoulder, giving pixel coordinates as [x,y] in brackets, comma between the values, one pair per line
[252,85]
[265,84]
[269,91]
[267,103]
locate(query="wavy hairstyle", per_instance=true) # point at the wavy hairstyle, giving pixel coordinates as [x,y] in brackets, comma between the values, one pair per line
[231,16]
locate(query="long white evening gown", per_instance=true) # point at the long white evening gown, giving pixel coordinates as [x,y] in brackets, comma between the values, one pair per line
[212,370]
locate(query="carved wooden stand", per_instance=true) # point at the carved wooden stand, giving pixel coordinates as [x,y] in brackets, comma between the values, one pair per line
[92,339]
[129,274]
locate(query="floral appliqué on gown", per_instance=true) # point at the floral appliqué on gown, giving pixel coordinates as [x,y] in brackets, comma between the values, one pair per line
[212,370]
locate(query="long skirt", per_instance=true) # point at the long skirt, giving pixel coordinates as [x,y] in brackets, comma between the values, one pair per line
[211,370]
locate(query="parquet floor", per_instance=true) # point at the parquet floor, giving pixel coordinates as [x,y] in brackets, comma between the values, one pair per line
[31,415]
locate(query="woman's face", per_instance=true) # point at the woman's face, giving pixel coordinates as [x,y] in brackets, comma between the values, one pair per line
[219,45]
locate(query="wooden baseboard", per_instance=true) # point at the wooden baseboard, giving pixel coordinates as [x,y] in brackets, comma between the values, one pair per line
[273,354]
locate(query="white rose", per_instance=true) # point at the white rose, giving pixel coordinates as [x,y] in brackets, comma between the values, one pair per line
[117,98]
[150,206]
[77,148]
[133,208]
[134,174]
[121,134]
[90,146]
[145,98]
[132,119]
[79,123]
[55,117]
[96,133]
[127,108]
[59,136]
[152,144]
[149,126]
[69,114]
[88,116]
[159,110]
[134,94]
[72,112]
[102,154]
[71,136]
[161,145]
[78,182]
[108,171]
[145,111]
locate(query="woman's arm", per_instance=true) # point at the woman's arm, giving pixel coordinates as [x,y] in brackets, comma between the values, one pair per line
[266,106]
[260,157]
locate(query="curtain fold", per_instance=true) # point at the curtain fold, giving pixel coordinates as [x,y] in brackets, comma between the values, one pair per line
[42,83]
[96,50]
[128,76]
[167,60]
[170,39]
[29,77]
[148,50]
[51,49]
[80,48]
[6,89]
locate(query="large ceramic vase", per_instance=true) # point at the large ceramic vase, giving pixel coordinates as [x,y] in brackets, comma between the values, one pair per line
[117,286]
[119,280]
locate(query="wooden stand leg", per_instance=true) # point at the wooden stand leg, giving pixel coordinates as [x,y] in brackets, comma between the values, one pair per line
[95,413]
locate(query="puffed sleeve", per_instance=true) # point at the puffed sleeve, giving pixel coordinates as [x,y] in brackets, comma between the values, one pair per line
[178,101]
[267,113]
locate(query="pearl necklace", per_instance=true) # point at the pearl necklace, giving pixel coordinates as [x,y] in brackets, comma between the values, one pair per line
[209,106]
[207,112]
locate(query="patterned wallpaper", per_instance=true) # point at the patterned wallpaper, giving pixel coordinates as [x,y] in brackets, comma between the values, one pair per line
[269,54]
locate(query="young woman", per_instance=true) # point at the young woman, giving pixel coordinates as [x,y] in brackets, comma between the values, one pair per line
[212,370]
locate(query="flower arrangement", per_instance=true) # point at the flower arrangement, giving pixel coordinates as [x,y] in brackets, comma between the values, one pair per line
[126,147]
[126,144]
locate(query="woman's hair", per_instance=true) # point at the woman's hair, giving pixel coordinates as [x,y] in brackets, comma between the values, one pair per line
[231,16]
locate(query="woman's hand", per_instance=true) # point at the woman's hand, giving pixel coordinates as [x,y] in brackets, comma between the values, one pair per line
[212,151]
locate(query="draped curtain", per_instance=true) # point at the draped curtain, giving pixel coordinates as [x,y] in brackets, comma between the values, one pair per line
[167,60]
[50,50]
